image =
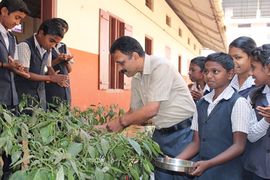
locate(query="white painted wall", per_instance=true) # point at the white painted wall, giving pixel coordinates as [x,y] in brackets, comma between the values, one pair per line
[83,19]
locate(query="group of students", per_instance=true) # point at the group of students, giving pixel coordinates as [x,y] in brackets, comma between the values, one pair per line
[37,67]
[232,122]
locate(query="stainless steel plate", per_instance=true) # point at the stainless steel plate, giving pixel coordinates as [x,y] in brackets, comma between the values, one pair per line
[174,164]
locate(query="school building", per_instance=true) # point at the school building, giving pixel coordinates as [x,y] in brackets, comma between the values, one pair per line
[176,29]
[243,18]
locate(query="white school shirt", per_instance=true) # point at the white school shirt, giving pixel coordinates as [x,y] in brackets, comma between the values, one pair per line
[4,34]
[247,84]
[258,129]
[24,53]
[241,111]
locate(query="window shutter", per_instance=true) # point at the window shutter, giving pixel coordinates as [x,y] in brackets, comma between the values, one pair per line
[127,80]
[104,50]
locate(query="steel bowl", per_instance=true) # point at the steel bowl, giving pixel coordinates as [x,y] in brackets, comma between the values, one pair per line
[173,164]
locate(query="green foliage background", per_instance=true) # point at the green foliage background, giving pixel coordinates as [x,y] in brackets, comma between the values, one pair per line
[64,145]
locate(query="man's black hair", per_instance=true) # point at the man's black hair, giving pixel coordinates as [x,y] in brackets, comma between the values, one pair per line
[62,22]
[127,45]
[52,27]
[15,5]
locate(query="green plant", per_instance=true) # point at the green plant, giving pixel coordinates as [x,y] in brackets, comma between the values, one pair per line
[64,145]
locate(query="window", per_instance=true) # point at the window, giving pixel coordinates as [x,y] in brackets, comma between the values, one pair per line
[194,47]
[148,45]
[180,32]
[244,25]
[168,52]
[188,41]
[111,28]
[179,64]
[116,79]
[168,20]
[149,4]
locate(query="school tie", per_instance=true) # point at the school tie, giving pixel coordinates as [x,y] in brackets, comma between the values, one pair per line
[12,44]
[11,52]
[41,86]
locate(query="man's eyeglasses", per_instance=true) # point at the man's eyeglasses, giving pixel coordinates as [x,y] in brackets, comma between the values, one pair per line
[121,62]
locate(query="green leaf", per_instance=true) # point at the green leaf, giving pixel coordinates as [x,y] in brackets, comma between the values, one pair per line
[42,124]
[22,160]
[70,175]
[156,147]
[117,170]
[145,176]
[15,156]
[118,151]
[134,174]
[74,166]
[108,176]
[92,151]
[146,167]
[99,174]
[135,146]
[42,174]
[47,133]
[8,147]
[60,174]
[18,175]
[75,148]
[8,118]
[105,146]
[3,141]
[147,148]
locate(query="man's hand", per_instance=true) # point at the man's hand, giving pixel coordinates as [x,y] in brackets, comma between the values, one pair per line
[102,127]
[265,112]
[112,126]
[60,79]
[64,57]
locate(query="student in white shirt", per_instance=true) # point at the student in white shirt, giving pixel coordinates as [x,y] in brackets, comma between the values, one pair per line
[257,155]
[220,124]
[240,49]
[199,88]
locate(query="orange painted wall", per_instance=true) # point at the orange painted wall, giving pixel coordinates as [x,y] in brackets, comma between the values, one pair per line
[84,84]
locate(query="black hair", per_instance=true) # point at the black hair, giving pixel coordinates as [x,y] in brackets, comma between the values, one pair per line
[244,43]
[260,54]
[52,27]
[200,61]
[15,5]
[62,22]
[127,45]
[225,60]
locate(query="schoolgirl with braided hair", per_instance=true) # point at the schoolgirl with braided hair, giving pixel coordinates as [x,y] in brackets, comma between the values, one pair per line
[257,155]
